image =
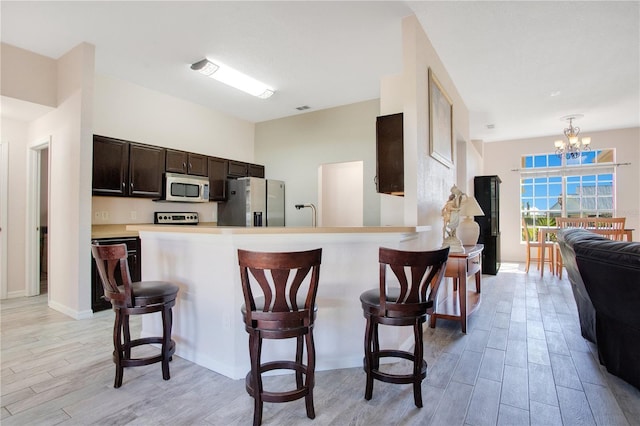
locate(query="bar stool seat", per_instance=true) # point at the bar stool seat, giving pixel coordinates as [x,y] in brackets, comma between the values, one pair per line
[279,311]
[134,298]
[418,275]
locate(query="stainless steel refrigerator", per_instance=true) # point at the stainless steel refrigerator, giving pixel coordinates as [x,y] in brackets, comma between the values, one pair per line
[252,202]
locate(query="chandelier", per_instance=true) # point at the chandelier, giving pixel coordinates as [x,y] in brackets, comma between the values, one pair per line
[573,146]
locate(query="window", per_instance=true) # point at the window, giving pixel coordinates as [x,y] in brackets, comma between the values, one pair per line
[551,187]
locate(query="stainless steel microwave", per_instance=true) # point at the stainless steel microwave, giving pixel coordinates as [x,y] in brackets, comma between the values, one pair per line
[185,188]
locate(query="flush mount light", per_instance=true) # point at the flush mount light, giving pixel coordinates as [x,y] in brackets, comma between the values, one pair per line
[233,78]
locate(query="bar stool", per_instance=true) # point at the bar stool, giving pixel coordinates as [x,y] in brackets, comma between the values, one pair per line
[280,312]
[134,298]
[404,305]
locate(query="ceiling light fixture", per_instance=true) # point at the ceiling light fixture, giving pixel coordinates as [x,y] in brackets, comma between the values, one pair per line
[233,78]
[573,146]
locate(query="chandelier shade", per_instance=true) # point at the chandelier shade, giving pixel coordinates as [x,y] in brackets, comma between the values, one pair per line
[573,145]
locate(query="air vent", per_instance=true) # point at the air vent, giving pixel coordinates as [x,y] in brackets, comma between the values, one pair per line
[303,107]
[491,126]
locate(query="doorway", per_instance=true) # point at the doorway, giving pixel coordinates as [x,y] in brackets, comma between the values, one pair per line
[37,219]
[341,194]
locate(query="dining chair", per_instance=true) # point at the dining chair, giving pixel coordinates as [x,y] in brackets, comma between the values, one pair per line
[539,245]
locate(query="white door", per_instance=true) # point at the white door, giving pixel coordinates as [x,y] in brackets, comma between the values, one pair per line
[341,194]
[4,175]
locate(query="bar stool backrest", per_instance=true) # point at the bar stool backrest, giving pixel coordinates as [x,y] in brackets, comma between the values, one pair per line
[418,276]
[113,268]
[280,276]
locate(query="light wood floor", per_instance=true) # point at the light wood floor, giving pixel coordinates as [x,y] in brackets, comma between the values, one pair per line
[522,362]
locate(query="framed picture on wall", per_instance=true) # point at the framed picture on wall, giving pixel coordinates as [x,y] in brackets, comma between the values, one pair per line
[440,122]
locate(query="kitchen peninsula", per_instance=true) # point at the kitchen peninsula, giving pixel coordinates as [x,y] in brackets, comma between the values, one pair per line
[207,325]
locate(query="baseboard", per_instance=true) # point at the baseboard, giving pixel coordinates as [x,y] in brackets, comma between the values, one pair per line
[78,315]
[15,294]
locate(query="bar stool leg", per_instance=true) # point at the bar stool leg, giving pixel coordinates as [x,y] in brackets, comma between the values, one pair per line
[368,358]
[417,364]
[118,351]
[255,349]
[311,368]
[299,350]
[167,319]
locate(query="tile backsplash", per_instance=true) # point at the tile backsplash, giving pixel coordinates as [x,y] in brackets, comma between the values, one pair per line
[119,210]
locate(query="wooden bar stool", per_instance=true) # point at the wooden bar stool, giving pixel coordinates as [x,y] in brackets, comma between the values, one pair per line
[280,312]
[134,298]
[418,275]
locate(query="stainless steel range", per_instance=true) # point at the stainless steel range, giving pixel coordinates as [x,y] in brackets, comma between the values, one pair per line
[175,218]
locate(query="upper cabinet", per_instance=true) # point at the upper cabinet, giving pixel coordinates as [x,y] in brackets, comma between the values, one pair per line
[217,179]
[110,166]
[129,169]
[186,162]
[390,154]
[122,168]
[146,166]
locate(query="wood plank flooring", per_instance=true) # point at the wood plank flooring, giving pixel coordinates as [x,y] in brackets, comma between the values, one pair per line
[522,362]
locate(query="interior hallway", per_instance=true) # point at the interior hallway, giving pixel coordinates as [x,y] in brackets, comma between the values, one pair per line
[522,362]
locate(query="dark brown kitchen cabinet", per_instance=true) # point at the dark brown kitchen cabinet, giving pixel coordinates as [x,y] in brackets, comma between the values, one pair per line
[122,168]
[98,302]
[237,169]
[186,162]
[390,154]
[146,165]
[110,166]
[217,178]
[256,170]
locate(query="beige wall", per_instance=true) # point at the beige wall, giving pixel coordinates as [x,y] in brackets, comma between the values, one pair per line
[14,133]
[28,76]
[70,155]
[501,158]
[293,148]
[127,111]
[427,181]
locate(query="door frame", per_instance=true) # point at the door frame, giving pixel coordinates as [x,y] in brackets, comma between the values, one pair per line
[4,211]
[32,255]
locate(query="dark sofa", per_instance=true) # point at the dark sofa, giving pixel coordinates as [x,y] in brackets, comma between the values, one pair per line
[605,279]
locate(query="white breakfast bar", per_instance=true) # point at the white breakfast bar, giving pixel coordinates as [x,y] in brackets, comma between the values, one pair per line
[207,325]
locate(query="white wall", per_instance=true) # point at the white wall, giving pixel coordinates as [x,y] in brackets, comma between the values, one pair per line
[293,148]
[500,158]
[126,111]
[70,157]
[427,181]
[28,76]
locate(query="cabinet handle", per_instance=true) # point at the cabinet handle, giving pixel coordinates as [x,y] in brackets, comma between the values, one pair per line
[131,185]
[190,166]
[184,165]
[124,185]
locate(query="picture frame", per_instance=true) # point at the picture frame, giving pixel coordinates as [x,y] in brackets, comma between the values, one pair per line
[440,122]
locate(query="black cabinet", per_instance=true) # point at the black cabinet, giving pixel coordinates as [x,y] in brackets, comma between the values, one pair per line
[217,178]
[122,168]
[110,166]
[98,302]
[487,192]
[146,165]
[255,170]
[186,163]
[390,154]
[237,169]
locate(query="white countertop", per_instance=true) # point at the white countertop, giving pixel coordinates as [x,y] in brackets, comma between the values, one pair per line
[212,229]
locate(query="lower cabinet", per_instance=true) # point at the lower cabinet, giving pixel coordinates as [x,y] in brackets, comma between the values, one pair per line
[98,302]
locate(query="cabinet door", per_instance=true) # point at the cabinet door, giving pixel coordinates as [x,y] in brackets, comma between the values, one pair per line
[256,170]
[98,302]
[197,164]
[237,169]
[110,166]
[217,179]
[176,161]
[390,154]
[146,165]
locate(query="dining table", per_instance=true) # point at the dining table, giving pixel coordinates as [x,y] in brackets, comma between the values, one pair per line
[545,232]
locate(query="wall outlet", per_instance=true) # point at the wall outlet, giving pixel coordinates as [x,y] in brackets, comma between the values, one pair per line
[97,215]
[133,215]
[105,215]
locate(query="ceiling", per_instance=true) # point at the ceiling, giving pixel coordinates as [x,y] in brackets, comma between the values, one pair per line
[519,66]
